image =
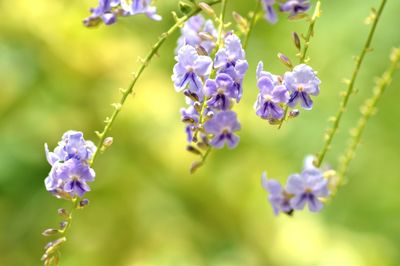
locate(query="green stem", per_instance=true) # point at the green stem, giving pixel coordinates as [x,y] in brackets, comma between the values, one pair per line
[51,255]
[213,73]
[252,24]
[368,110]
[146,61]
[343,105]
[221,23]
[303,54]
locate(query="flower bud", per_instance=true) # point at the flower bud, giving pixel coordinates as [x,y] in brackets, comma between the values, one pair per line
[241,21]
[192,96]
[83,203]
[285,60]
[196,165]
[296,40]
[206,36]
[203,145]
[294,113]
[197,106]
[108,142]
[63,225]
[207,9]
[63,213]
[51,248]
[210,114]
[50,232]
[200,50]
[193,150]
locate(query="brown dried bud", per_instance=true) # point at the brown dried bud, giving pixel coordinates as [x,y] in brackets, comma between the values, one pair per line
[196,165]
[193,150]
[296,40]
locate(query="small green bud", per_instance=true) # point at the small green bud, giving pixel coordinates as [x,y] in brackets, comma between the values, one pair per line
[185,8]
[50,232]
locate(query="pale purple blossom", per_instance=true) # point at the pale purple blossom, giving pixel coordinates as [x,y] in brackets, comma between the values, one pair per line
[231,54]
[72,145]
[295,7]
[190,69]
[237,74]
[222,126]
[70,177]
[272,96]
[270,14]
[302,82]
[277,196]
[198,32]
[105,12]
[220,92]
[134,7]
[307,188]
[70,163]
[108,11]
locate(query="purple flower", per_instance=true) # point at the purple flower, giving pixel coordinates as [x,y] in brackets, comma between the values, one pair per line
[221,91]
[108,10]
[190,69]
[237,73]
[103,12]
[272,94]
[72,145]
[302,82]
[307,188]
[270,14]
[140,7]
[70,177]
[278,197]
[198,32]
[231,54]
[295,7]
[221,126]
[70,165]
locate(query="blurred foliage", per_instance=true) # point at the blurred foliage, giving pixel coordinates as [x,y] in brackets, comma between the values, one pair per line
[145,208]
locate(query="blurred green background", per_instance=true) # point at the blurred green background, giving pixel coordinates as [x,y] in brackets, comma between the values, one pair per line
[146,209]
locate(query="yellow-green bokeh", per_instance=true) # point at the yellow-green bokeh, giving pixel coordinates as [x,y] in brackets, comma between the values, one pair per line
[146,209]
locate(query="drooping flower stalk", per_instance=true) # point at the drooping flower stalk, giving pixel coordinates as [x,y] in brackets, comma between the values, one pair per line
[367,111]
[303,53]
[202,117]
[145,62]
[330,133]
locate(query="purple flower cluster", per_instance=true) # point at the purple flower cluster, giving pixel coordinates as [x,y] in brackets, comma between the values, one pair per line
[199,33]
[309,188]
[108,11]
[276,92]
[70,170]
[211,86]
[292,7]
